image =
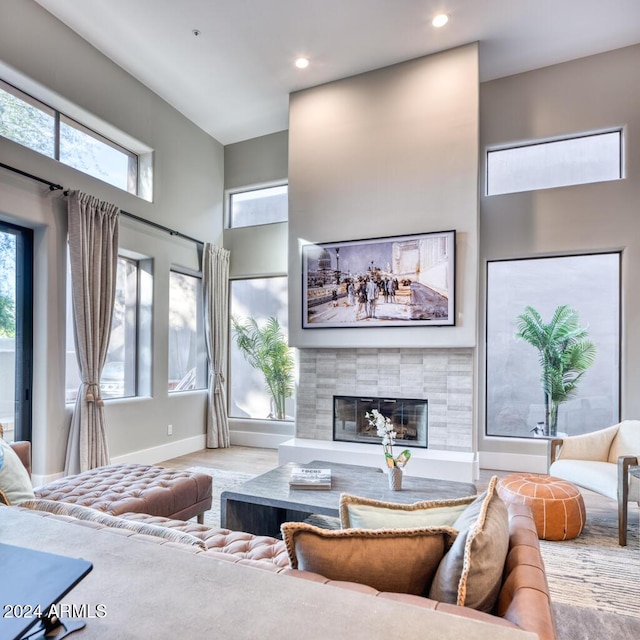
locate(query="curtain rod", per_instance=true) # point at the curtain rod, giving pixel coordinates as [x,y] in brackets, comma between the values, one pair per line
[54,186]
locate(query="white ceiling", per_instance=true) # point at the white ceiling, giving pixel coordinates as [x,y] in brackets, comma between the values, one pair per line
[233,80]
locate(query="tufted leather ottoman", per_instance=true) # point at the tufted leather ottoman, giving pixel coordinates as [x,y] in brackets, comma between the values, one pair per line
[119,488]
[557,505]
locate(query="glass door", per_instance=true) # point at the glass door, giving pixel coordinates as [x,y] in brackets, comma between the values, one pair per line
[16,330]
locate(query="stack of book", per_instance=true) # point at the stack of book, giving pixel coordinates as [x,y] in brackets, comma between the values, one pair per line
[304,478]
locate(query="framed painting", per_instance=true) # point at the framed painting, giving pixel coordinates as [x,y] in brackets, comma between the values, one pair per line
[399,281]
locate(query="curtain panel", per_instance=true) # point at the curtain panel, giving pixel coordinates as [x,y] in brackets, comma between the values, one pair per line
[215,284]
[93,253]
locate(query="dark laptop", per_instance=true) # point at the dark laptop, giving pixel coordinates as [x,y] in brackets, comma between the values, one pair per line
[30,582]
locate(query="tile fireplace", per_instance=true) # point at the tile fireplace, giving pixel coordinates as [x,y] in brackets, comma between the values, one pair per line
[444,376]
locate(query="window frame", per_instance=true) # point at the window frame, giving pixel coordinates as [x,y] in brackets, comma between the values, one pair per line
[139,365]
[486,365]
[132,364]
[230,193]
[538,142]
[200,319]
[229,376]
[133,172]
[24,292]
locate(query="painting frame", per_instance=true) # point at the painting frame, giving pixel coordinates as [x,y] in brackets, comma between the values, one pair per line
[414,274]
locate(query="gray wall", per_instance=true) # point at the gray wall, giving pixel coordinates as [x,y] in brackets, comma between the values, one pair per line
[583,95]
[256,161]
[260,161]
[389,152]
[188,170]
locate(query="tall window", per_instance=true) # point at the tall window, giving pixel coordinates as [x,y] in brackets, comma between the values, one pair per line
[34,124]
[187,353]
[258,206]
[258,298]
[16,313]
[119,375]
[586,394]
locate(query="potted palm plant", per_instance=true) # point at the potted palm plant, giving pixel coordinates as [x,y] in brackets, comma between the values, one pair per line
[265,348]
[564,353]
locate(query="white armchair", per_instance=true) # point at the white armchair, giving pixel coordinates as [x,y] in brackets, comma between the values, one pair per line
[600,461]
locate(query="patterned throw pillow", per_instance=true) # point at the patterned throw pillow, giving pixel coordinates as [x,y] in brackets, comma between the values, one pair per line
[396,560]
[15,483]
[470,574]
[367,513]
[81,512]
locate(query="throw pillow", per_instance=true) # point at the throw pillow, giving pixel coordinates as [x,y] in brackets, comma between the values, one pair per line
[396,560]
[470,574]
[367,513]
[15,483]
[81,512]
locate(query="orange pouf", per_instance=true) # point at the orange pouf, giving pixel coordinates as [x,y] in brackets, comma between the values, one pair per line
[557,505]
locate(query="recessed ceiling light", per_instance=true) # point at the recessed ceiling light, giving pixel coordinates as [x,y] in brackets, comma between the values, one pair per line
[302,63]
[440,20]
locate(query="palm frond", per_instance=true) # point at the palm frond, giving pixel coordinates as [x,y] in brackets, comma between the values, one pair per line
[564,352]
[265,349]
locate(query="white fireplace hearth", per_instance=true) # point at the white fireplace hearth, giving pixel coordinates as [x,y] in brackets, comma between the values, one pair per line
[426,463]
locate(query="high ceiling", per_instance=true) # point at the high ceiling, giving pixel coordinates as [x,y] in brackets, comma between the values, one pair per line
[233,79]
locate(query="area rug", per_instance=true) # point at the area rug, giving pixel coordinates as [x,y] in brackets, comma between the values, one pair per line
[222,481]
[593,571]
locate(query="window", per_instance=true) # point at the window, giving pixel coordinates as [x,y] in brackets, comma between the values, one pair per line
[258,298]
[119,375]
[90,153]
[16,311]
[187,353]
[26,121]
[258,206]
[33,124]
[556,163]
[515,400]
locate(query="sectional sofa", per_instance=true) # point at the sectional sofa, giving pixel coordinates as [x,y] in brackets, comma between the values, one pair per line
[190,564]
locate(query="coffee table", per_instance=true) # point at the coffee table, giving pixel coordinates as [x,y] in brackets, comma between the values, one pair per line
[262,504]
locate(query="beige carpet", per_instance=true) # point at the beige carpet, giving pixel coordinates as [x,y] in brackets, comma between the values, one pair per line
[593,571]
[222,480]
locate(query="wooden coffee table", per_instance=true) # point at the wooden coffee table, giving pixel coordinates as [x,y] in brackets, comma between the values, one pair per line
[262,504]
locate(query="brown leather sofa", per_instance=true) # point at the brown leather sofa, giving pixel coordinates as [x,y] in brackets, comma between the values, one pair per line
[524,600]
[122,488]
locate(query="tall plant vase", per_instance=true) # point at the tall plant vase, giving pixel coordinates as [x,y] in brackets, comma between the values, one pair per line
[395,478]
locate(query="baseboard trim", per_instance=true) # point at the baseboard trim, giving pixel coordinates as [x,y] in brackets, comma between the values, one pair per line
[257,439]
[512,462]
[162,452]
[38,480]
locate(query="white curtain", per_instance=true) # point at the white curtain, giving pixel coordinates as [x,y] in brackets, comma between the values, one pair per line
[93,252]
[215,284]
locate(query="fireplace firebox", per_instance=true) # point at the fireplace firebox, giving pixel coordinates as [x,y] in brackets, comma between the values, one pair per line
[409,417]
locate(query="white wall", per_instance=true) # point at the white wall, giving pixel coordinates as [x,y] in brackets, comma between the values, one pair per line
[389,152]
[188,170]
[583,95]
